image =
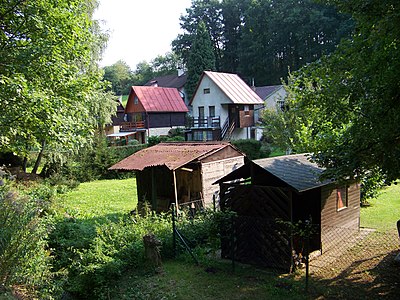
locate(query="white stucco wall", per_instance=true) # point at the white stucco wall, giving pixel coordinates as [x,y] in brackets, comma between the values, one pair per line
[160,131]
[215,98]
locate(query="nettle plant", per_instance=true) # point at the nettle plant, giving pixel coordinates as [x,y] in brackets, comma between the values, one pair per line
[24,258]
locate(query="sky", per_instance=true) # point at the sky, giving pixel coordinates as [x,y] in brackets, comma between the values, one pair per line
[139,29]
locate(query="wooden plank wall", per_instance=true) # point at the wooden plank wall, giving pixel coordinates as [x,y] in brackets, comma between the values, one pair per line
[259,238]
[212,171]
[336,224]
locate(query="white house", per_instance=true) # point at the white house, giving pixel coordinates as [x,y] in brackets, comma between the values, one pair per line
[273,97]
[222,108]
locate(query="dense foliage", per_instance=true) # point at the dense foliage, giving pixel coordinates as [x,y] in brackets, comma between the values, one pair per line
[122,78]
[24,228]
[252,148]
[345,107]
[50,89]
[263,39]
[201,58]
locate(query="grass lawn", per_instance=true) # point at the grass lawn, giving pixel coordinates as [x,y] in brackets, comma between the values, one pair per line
[384,211]
[101,198]
[185,280]
[213,279]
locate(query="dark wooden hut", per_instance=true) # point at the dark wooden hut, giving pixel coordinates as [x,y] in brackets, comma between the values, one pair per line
[181,172]
[266,193]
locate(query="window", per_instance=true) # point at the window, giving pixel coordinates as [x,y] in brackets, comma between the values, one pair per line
[206,90]
[201,112]
[211,111]
[246,110]
[281,105]
[135,100]
[341,198]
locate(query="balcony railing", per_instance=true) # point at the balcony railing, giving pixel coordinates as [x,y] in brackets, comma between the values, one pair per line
[206,122]
[131,126]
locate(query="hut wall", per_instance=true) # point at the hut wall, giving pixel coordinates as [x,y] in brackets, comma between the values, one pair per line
[214,170]
[338,224]
[158,193]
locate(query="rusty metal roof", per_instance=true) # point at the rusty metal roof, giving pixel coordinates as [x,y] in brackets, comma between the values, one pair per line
[172,155]
[234,88]
[160,99]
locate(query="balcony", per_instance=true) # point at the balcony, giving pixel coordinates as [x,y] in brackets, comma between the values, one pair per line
[203,122]
[131,126]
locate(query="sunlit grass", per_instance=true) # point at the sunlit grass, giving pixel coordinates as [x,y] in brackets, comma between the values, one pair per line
[101,198]
[384,211]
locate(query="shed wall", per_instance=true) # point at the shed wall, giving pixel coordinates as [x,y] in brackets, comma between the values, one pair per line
[336,224]
[212,171]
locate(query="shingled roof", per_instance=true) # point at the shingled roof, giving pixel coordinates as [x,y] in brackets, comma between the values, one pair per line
[171,155]
[173,81]
[295,170]
[265,91]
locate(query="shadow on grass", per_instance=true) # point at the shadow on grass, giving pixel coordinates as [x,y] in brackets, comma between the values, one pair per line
[365,279]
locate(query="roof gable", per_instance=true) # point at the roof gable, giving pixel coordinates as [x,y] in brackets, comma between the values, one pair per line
[172,81]
[235,89]
[295,170]
[265,91]
[158,99]
[171,155]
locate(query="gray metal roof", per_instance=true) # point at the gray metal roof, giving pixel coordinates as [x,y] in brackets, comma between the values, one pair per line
[295,170]
[234,88]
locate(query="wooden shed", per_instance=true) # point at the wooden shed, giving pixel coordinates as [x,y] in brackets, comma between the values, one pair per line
[265,192]
[181,172]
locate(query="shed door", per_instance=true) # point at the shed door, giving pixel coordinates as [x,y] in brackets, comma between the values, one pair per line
[260,239]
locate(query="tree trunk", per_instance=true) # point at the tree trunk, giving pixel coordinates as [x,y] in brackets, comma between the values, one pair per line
[39,158]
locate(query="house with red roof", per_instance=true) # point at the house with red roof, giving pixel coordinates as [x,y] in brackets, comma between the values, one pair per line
[152,111]
[222,108]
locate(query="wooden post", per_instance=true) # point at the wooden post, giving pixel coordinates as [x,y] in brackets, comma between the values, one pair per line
[175,190]
[153,191]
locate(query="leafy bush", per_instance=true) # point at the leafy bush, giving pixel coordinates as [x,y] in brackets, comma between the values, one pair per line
[252,148]
[118,246]
[24,255]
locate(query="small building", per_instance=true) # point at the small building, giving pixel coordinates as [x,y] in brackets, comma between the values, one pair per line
[266,193]
[222,109]
[153,111]
[181,172]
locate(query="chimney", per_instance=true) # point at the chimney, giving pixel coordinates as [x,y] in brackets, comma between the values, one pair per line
[180,71]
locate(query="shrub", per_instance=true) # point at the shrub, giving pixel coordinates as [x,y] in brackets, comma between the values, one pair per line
[24,255]
[252,148]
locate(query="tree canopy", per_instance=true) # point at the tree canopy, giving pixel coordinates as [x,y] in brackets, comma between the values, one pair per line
[263,39]
[50,84]
[345,107]
[201,58]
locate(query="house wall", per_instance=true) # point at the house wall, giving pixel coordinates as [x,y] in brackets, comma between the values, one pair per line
[215,98]
[271,101]
[168,119]
[214,170]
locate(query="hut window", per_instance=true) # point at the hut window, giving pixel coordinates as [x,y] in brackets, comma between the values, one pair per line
[135,100]
[206,90]
[341,198]
[211,111]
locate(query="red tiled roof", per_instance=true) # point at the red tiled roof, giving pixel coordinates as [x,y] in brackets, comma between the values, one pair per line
[160,99]
[171,155]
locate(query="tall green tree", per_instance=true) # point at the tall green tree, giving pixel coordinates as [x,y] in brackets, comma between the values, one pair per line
[283,35]
[201,58]
[208,12]
[49,77]
[347,104]
[120,76]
